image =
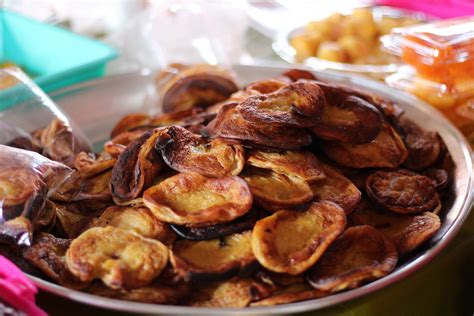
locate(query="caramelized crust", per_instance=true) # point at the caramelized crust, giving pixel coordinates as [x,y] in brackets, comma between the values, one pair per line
[184,151]
[292,241]
[133,122]
[238,225]
[359,255]
[264,87]
[95,191]
[130,122]
[439,177]
[385,151]
[136,168]
[121,259]
[423,147]
[336,188]
[194,200]
[58,142]
[298,104]
[229,123]
[17,186]
[221,200]
[199,85]
[234,293]
[408,232]
[117,145]
[88,165]
[139,220]
[273,191]
[402,191]
[213,259]
[47,254]
[302,164]
[347,117]
[298,74]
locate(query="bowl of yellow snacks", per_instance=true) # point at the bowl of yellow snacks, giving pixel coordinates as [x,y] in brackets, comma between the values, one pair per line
[346,41]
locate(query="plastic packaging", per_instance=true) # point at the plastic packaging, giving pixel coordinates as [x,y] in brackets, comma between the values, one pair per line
[16,290]
[455,100]
[441,95]
[441,51]
[181,31]
[46,142]
[29,119]
[26,180]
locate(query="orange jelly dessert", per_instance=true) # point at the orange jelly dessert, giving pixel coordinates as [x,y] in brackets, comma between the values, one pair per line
[441,51]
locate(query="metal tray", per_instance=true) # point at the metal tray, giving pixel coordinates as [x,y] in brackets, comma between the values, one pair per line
[97,105]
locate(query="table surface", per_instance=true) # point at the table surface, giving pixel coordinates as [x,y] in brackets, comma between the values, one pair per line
[443,287]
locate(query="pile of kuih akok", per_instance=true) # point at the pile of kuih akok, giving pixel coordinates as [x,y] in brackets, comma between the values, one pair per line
[287,190]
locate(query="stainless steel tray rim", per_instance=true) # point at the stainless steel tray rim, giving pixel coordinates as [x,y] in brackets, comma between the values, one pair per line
[457,214]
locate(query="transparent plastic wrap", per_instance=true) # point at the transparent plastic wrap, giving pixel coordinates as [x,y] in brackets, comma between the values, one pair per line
[441,61]
[26,180]
[441,95]
[180,31]
[441,51]
[30,120]
[455,100]
[39,144]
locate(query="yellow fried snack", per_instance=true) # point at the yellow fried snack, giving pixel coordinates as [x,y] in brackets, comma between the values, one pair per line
[47,254]
[301,164]
[274,191]
[231,199]
[213,259]
[348,116]
[194,200]
[408,232]
[359,255]
[292,241]
[187,152]
[230,123]
[336,188]
[17,185]
[402,191]
[89,165]
[298,104]
[121,259]
[387,150]
[195,86]
[135,219]
[236,293]
[136,167]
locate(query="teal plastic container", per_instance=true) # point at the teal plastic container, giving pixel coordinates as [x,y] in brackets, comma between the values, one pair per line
[54,57]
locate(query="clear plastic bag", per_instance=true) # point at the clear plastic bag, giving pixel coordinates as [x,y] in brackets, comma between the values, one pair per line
[441,51]
[26,180]
[181,31]
[29,119]
[42,143]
